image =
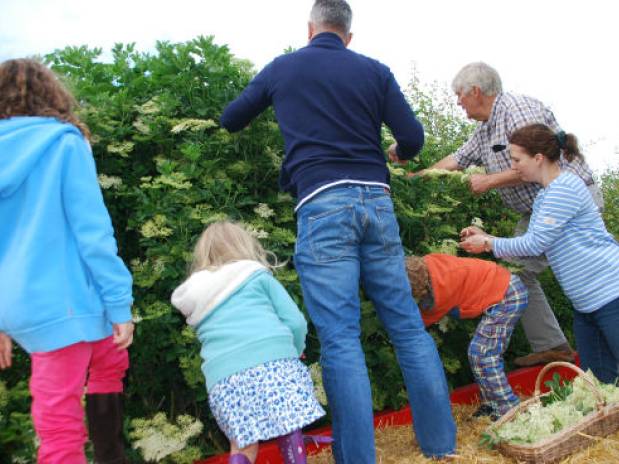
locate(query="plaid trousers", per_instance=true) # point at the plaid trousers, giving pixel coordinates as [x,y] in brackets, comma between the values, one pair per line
[490,342]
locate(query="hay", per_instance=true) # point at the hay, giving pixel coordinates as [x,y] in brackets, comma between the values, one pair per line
[395,445]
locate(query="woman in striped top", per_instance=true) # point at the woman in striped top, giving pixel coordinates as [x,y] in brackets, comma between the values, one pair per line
[567,227]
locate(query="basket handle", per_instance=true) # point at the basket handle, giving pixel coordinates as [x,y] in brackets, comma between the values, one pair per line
[596,391]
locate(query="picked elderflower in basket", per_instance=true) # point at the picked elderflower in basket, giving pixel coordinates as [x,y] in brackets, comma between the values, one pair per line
[548,427]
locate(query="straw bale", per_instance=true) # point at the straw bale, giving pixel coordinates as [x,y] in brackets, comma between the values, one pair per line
[396,445]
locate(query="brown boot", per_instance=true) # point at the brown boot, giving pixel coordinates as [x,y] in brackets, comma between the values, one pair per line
[104,412]
[560,353]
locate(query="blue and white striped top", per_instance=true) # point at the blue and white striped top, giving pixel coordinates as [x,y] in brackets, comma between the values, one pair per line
[567,226]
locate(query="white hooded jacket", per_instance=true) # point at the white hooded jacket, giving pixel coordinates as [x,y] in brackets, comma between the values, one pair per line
[205,289]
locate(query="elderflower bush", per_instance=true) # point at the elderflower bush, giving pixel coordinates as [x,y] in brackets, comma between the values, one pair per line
[176,183]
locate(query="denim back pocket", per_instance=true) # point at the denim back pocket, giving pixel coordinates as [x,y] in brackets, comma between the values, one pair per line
[331,233]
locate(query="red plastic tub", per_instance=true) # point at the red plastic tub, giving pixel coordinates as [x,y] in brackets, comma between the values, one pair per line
[521,380]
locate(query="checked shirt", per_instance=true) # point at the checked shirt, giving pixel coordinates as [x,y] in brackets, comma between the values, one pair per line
[489,146]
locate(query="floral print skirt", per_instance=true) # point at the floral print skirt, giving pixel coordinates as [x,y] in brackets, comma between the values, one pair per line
[264,402]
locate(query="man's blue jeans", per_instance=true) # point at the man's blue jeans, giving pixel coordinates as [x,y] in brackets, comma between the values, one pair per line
[347,235]
[597,341]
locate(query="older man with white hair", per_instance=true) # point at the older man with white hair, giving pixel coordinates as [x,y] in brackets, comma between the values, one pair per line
[330,103]
[479,91]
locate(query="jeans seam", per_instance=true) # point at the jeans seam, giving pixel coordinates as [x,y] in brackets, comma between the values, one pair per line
[381,213]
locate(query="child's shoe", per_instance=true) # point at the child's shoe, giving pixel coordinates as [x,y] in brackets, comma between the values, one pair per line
[292,448]
[485,410]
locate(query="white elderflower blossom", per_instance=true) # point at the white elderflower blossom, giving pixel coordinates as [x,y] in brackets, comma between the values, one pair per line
[475,170]
[443,324]
[159,265]
[440,172]
[107,182]
[192,124]
[448,246]
[263,210]
[155,227]
[176,180]
[121,148]
[255,232]
[395,171]
[477,222]
[539,421]
[152,106]
[141,126]
[157,438]
[470,171]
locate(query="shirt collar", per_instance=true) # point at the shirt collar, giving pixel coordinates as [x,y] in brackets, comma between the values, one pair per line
[327,40]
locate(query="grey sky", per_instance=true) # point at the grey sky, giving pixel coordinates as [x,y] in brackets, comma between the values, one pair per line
[561,52]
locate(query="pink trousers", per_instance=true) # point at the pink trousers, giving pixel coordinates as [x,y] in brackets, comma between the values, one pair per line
[57,387]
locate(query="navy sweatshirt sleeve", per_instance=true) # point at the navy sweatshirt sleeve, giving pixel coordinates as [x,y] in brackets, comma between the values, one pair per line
[254,99]
[399,117]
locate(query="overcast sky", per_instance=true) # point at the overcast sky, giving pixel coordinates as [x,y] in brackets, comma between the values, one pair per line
[561,52]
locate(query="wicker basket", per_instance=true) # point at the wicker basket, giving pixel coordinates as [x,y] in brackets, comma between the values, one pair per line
[599,423]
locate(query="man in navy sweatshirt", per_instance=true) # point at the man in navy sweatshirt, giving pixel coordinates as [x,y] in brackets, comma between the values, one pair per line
[330,104]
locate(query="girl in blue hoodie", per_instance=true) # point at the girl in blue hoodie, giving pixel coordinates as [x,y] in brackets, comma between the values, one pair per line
[252,336]
[65,293]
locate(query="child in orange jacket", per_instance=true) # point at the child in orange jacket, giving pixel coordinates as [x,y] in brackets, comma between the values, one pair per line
[472,287]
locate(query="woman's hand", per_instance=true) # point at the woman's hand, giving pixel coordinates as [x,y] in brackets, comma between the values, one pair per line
[470,231]
[477,243]
[6,351]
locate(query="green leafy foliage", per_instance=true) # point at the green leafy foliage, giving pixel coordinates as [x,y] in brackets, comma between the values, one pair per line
[167,169]
[17,438]
[559,390]
[610,189]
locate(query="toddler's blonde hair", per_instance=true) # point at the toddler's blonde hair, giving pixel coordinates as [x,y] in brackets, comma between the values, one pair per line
[223,242]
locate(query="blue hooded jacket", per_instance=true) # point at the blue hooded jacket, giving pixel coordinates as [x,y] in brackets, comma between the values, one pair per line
[61,280]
